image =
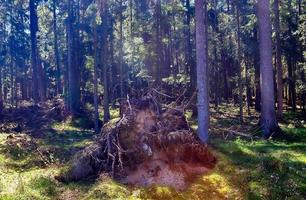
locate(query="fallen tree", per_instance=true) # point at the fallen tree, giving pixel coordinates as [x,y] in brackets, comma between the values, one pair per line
[147,145]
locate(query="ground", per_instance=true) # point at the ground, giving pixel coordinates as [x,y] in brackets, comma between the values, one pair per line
[247,168]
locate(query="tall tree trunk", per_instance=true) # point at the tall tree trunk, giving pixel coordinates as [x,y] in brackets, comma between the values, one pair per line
[257,75]
[268,117]
[104,62]
[122,93]
[278,61]
[73,69]
[248,88]
[1,94]
[95,81]
[202,81]
[189,54]
[1,84]
[239,66]
[42,81]
[12,81]
[291,83]
[56,51]
[33,30]
[159,54]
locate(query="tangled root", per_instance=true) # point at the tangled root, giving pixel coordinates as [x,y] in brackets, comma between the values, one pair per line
[145,146]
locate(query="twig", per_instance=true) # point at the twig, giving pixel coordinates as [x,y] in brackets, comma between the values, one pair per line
[190,100]
[162,93]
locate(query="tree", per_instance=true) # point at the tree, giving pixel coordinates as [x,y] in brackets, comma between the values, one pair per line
[122,93]
[95,80]
[56,51]
[278,61]
[34,62]
[268,116]
[105,22]
[189,55]
[240,88]
[202,81]
[73,68]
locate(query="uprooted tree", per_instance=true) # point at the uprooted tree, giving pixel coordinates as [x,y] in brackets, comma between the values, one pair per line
[147,145]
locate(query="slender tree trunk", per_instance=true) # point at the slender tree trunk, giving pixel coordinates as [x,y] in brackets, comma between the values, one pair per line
[202,82]
[56,51]
[248,88]
[104,63]
[122,94]
[33,30]
[291,81]
[268,116]
[159,53]
[240,88]
[42,81]
[12,81]
[257,76]
[1,84]
[278,61]
[73,69]
[1,94]
[95,81]
[216,76]
[189,55]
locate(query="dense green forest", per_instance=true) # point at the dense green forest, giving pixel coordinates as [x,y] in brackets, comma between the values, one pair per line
[152,99]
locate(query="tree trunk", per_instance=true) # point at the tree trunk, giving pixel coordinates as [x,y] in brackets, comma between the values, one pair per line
[33,30]
[257,76]
[56,51]
[122,93]
[73,70]
[95,81]
[1,94]
[3,27]
[248,88]
[189,55]
[278,61]
[268,116]
[291,82]
[104,63]
[202,82]
[239,66]
[12,81]
[158,49]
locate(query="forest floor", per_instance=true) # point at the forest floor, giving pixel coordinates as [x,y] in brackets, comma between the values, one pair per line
[247,168]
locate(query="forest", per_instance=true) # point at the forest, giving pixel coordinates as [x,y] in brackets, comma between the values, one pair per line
[152,99]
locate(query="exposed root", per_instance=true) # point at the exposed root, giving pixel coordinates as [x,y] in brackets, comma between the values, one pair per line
[144,137]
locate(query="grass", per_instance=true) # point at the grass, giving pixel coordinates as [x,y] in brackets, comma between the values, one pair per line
[246,169]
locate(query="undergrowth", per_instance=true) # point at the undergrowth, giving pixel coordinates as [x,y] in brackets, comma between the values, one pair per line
[246,169]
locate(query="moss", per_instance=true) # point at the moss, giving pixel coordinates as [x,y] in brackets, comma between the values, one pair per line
[245,169]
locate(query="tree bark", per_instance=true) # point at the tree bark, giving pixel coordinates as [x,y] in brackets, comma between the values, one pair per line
[189,55]
[278,61]
[122,93]
[95,81]
[33,30]
[257,76]
[1,94]
[73,69]
[104,63]
[268,117]
[158,49]
[239,66]
[202,82]
[56,51]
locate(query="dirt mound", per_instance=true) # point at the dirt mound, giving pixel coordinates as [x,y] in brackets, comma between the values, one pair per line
[146,146]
